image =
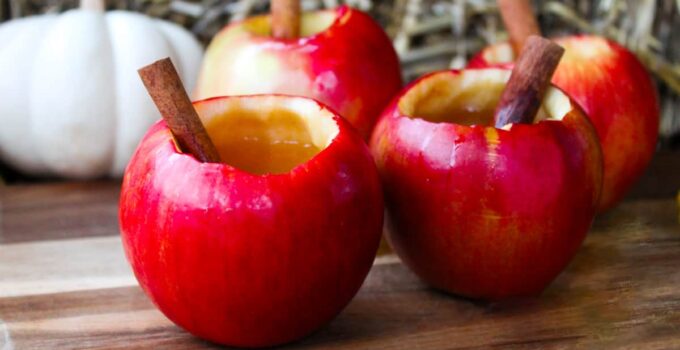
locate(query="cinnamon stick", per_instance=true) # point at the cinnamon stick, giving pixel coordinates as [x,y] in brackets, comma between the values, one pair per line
[165,88]
[528,82]
[285,18]
[520,21]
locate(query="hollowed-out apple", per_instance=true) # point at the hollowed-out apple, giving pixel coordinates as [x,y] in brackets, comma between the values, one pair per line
[343,59]
[479,211]
[267,246]
[617,94]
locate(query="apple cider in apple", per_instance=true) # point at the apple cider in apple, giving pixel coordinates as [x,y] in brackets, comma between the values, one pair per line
[273,143]
[439,101]
[265,259]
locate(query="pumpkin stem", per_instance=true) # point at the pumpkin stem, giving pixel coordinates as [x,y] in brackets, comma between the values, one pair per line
[92,5]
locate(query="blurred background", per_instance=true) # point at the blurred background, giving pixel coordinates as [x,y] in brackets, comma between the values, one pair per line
[430,35]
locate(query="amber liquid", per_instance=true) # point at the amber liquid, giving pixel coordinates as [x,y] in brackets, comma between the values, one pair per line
[467,108]
[272,144]
[459,115]
[470,116]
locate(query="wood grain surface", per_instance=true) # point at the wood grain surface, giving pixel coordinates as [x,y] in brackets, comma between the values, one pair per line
[65,284]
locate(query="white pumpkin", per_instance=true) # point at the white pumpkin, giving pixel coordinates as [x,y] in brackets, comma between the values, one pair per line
[71,102]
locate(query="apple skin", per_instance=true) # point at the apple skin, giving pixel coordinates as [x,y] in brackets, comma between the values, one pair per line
[617,94]
[482,212]
[351,66]
[251,260]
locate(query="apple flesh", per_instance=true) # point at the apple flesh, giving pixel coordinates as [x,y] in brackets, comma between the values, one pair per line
[261,256]
[343,59]
[618,96]
[478,211]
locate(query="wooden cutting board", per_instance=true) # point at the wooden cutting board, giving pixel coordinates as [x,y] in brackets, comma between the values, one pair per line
[64,283]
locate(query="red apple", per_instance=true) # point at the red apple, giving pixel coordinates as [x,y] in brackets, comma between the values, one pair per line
[617,94]
[261,256]
[343,59]
[479,211]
